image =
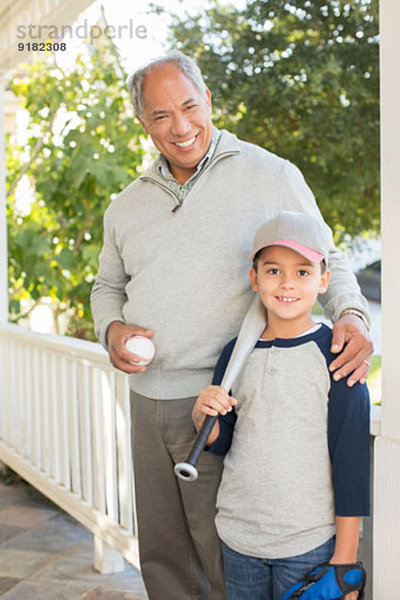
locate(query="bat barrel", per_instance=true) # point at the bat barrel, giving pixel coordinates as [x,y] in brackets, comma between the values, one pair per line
[187,470]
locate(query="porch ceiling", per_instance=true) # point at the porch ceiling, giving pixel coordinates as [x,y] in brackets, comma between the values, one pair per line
[15,13]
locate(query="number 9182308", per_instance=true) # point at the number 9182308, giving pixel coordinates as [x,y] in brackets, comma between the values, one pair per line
[42,46]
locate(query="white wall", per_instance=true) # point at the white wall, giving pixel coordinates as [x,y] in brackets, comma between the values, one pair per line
[387,465]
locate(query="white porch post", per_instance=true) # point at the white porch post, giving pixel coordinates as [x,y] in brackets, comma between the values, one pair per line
[3,215]
[387,450]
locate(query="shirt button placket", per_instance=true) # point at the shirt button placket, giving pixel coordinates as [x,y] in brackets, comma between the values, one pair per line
[272,370]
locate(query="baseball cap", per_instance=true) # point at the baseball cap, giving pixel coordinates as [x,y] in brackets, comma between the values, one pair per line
[299,231]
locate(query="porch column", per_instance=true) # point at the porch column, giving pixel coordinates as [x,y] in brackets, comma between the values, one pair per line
[387,449]
[3,215]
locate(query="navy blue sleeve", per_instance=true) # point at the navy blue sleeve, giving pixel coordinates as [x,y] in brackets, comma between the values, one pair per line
[222,363]
[226,422]
[348,440]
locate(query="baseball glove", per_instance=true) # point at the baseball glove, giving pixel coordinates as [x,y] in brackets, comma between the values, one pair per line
[329,582]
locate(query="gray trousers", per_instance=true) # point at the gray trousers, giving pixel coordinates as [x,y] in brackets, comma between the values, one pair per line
[180,553]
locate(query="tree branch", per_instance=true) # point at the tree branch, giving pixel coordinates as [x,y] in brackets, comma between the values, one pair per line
[82,232]
[35,153]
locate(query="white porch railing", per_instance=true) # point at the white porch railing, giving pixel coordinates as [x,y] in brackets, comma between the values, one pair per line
[65,428]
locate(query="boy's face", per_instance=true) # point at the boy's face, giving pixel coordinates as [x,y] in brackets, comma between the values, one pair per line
[288,283]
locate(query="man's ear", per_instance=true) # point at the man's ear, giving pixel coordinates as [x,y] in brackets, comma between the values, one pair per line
[142,124]
[208,99]
[253,279]
[325,277]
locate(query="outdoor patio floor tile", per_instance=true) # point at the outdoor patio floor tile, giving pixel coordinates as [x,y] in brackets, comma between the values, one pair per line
[10,495]
[54,535]
[21,494]
[25,516]
[64,570]
[29,590]
[9,531]
[83,550]
[105,594]
[51,557]
[21,563]
[6,583]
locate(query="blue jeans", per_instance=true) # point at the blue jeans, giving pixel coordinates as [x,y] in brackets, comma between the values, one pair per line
[250,578]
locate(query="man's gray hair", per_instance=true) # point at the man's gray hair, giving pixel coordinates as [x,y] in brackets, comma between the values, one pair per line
[186,64]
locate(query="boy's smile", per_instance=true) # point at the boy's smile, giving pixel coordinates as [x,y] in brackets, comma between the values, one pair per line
[288,285]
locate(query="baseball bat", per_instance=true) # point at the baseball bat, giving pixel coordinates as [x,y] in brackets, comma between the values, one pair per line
[252,327]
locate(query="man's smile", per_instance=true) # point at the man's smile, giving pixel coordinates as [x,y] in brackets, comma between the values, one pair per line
[187,143]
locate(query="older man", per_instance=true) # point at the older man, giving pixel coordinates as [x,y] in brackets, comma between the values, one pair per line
[173,265]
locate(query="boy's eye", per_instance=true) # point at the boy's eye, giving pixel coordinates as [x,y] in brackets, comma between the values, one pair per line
[303,273]
[273,271]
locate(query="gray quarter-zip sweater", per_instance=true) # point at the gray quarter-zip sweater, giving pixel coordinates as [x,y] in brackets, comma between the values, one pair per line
[181,269]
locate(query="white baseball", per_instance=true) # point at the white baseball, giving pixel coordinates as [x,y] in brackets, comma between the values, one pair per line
[141,346]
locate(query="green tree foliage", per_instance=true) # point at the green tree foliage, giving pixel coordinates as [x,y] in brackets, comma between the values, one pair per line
[82,147]
[300,78]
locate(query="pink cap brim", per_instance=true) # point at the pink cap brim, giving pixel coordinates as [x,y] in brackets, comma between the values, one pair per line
[312,255]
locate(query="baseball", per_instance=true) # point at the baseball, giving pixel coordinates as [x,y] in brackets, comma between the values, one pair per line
[141,346]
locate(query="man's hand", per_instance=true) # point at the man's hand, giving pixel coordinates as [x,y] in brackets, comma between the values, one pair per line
[350,333]
[120,357]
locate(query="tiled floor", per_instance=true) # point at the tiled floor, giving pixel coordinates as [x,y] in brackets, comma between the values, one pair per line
[47,555]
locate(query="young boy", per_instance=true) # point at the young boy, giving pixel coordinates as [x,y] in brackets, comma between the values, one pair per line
[296,473]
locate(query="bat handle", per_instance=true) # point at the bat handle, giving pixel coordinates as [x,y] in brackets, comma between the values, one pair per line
[187,470]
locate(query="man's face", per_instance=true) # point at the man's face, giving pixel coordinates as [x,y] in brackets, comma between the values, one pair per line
[178,119]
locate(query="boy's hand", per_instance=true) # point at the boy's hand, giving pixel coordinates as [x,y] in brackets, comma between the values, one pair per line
[346,545]
[213,400]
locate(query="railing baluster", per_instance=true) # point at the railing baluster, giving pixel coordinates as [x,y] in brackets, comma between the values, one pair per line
[6,407]
[125,480]
[73,426]
[27,402]
[96,400]
[85,434]
[107,386]
[17,416]
[44,413]
[54,437]
[61,382]
[36,405]
[12,433]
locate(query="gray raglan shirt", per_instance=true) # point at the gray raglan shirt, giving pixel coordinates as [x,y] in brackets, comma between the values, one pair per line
[181,269]
[296,448]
